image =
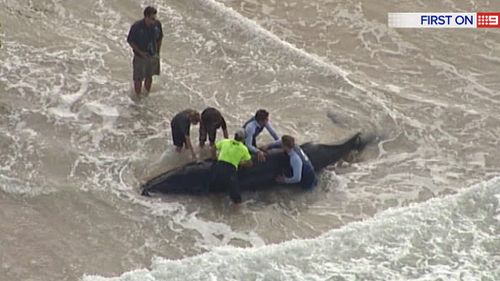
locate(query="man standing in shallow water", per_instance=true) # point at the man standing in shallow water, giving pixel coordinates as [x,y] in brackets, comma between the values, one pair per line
[145,38]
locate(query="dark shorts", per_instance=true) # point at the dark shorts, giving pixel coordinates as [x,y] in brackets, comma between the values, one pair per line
[211,132]
[145,67]
[178,136]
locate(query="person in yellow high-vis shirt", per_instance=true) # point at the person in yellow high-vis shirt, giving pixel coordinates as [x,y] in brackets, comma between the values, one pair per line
[231,155]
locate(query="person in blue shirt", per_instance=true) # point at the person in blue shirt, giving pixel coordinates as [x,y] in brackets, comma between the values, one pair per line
[145,38]
[253,128]
[302,168]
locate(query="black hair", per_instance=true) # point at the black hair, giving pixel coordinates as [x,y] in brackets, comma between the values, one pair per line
[149,11]
[194,115]
[261,115]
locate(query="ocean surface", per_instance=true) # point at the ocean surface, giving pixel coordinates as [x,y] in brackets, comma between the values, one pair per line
[421,203]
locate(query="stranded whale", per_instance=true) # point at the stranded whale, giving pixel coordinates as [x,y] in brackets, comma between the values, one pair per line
[193,177]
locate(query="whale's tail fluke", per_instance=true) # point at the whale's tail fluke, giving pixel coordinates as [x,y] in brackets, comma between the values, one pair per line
[322,155]
[364,139]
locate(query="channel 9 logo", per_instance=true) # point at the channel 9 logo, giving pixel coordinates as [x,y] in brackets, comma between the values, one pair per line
[444,20]
[488,20]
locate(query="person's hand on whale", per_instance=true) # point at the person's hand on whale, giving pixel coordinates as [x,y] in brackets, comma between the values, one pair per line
[261,156]
[280,179]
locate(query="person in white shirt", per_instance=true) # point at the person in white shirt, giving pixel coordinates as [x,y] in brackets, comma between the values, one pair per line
[302,168]
[253,128]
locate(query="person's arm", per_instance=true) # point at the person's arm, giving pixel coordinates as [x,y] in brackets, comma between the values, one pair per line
[224,128]
[249,131]
[246,163]
[202,134]
[159,40]
[275,144]
[246,160]
[190,146]
[139,51]
[131,41]
[271,131]
[131,33]
[296,164]
[213,150]
[186,126]
[216,148]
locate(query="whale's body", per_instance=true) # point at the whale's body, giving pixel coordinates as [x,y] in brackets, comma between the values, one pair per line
[193,178]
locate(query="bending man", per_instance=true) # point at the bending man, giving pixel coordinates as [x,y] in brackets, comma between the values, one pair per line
[253,128]
[232,154]
[181,125]
[211,120]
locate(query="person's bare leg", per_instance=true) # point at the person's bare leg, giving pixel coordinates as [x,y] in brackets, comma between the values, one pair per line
[147,83]
[137,87]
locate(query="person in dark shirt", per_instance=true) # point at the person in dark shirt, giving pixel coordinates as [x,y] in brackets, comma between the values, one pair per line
[145,38]
[180,125]
[211,120]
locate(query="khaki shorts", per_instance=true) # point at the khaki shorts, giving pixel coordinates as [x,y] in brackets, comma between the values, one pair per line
[145,67]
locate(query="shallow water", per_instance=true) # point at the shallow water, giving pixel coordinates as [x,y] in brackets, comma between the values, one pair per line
[76,147]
